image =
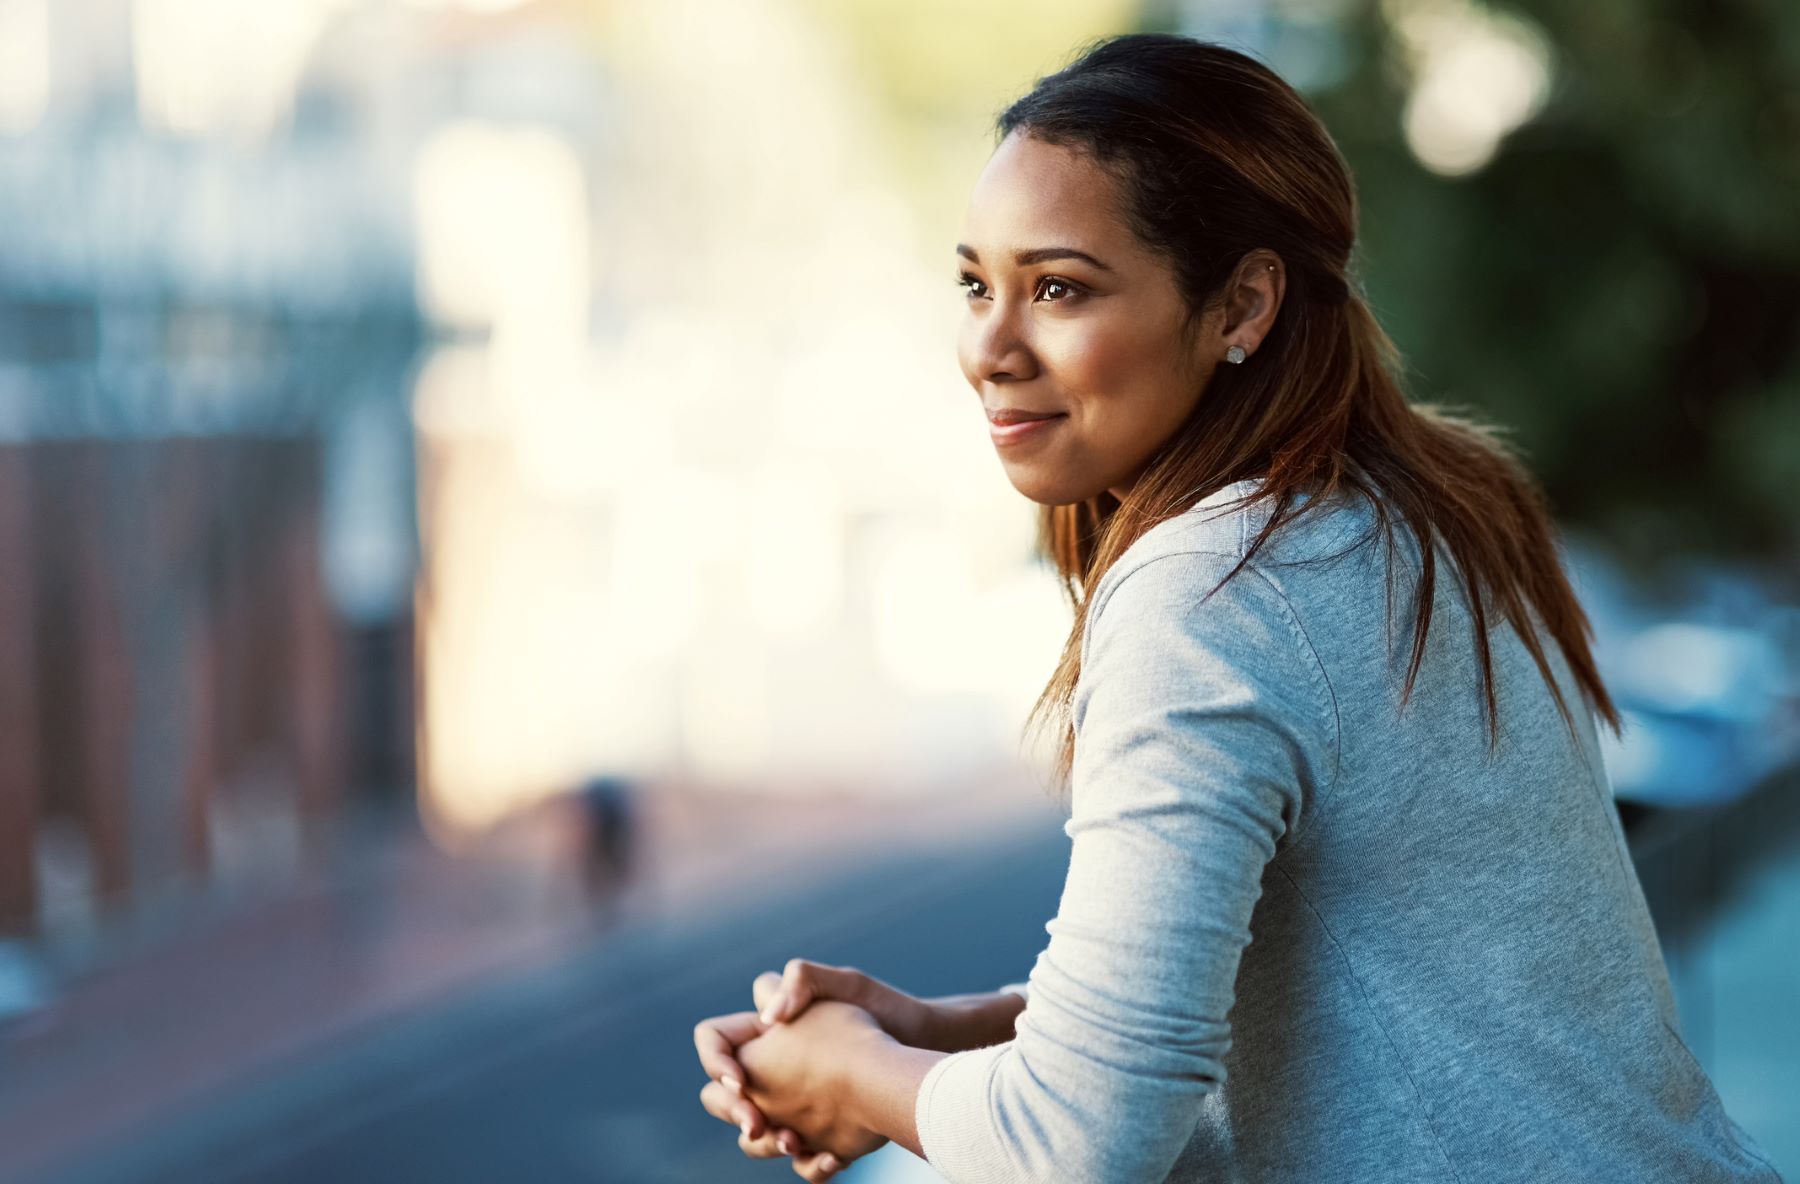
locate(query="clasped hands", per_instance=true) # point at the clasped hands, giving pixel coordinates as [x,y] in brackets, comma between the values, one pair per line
[776,1072]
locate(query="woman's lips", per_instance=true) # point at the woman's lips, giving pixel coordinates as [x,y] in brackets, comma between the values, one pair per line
[1018,433]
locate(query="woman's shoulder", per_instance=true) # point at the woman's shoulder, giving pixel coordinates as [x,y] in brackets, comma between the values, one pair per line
[1217,523]
[1180,607]
[1227,521]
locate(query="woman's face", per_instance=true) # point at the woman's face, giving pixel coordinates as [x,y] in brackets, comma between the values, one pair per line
[1070,316]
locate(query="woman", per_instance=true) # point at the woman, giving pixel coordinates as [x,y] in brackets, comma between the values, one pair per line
[1341,905]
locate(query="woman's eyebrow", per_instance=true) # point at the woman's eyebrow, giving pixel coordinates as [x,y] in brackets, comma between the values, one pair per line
[1037,255]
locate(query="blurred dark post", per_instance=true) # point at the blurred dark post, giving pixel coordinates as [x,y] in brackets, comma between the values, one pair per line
[185,848]
[18,712]
[100,753]
[203,765]
[314,724]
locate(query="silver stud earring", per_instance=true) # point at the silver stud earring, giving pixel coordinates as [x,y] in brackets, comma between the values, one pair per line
[1235,354]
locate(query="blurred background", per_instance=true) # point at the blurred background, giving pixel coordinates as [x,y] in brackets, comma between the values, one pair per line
[495,549]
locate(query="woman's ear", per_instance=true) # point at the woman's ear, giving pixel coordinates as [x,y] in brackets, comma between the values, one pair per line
[1253,298]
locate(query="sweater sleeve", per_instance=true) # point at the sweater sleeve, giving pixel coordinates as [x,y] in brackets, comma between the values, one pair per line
[1204,730]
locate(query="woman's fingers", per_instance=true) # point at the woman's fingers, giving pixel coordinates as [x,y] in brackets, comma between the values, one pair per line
[765,1147]
[765,992]
[798,989]
[772,1144]
[755,1136]
[735,1109]
[817,1168]
[717,1039]
[784,996]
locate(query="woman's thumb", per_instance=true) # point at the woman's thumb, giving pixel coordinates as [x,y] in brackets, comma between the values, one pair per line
[765,992]
[800,983]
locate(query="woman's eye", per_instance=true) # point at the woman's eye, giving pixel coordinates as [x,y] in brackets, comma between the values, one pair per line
[1049,288]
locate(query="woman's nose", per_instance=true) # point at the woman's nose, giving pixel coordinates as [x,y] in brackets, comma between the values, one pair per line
[994,349]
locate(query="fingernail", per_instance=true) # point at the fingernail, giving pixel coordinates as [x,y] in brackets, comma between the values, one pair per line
[788,1144]
[731,1083]
[828,1164]
[768,1015]
[745,1127]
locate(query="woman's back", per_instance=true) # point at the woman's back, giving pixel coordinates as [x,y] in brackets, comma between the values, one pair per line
[1450,973]
[1460,933]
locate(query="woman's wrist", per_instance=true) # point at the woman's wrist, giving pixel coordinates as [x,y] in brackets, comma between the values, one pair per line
[958,1022]
[877,1086]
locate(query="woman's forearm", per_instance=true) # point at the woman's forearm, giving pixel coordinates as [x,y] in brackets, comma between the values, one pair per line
[960,1022]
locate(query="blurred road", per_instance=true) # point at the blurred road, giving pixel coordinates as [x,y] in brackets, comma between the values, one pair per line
[585,1071]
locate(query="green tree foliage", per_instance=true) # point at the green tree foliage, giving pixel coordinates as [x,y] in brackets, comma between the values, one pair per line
[1620,284]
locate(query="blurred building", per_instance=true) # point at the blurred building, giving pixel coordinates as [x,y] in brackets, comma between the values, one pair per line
[207,325]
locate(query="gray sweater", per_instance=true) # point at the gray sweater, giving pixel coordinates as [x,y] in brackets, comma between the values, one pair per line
[1305,937]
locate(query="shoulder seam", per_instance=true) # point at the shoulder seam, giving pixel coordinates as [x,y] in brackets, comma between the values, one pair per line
[1295,628]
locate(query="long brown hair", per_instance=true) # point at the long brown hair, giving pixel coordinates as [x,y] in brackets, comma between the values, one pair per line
[1218,156]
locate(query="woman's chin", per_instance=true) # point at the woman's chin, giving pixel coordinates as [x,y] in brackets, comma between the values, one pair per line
[1047,489]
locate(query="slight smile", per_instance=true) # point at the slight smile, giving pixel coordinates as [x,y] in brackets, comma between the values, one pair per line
[1018,433]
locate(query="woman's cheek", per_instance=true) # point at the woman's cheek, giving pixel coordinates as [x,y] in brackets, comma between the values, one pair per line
[1103,355]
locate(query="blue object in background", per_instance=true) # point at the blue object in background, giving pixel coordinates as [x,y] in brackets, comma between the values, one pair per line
[1706,678]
